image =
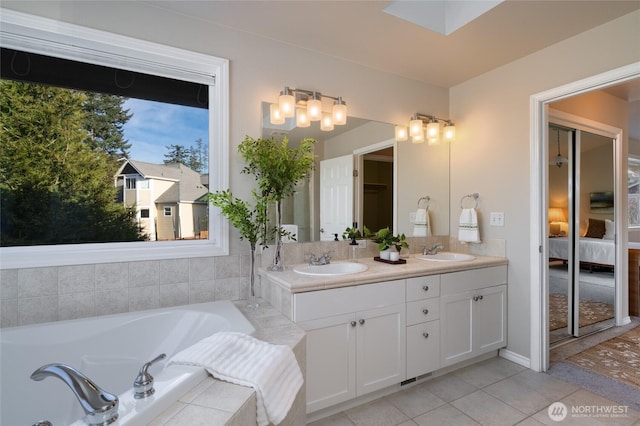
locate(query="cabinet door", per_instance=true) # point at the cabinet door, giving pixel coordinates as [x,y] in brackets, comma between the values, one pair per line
[423,348]
[456,317]
[381,337]
[331,358]
[490,319]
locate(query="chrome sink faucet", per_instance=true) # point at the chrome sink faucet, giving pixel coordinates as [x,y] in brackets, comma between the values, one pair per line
[100,406]
[433,250]
[325,259]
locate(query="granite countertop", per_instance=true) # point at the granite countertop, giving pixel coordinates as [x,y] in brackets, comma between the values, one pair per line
[376,272]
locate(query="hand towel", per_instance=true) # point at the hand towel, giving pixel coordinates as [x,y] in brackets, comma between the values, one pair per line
[238,358]
[420,231]
[468,231]
[422,217]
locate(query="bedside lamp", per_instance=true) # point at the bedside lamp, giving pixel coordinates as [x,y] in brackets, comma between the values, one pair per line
[556,218]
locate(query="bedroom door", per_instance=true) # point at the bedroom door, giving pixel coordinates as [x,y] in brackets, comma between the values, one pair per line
[581,253]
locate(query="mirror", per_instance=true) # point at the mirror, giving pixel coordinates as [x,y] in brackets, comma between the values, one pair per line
[392,178]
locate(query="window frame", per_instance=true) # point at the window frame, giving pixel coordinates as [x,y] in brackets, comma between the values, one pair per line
[631,159]
[45,36]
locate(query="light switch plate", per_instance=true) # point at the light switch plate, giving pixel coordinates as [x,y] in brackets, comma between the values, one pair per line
[497,219]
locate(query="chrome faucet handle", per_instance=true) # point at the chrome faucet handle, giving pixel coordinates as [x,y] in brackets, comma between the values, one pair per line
[143,385]
[313,260]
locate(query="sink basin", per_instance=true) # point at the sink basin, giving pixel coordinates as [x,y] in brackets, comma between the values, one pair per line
[447,257]
[332,269]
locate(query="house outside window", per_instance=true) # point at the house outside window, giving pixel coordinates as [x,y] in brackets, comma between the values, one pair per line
[24,33]
[633,183]
[144,213]
[168,210]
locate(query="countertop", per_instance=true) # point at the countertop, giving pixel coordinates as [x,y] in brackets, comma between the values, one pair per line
[376,272]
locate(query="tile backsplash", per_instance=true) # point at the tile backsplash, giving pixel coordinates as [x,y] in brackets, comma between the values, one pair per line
[38,295]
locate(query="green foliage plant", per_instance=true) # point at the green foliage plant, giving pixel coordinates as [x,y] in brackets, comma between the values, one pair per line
[385,239]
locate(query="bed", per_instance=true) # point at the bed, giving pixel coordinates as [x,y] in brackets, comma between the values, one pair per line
[592,251]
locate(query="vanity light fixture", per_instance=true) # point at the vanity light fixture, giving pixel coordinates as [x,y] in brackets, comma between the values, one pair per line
[306,106]
[417,129]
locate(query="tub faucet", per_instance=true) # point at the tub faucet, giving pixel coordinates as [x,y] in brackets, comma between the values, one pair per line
[433,250]
[100,406]
[325,259]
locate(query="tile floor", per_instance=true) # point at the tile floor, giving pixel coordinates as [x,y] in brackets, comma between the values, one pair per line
[493,392]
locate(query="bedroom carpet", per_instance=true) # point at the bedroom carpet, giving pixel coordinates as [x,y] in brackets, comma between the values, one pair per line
[591,312]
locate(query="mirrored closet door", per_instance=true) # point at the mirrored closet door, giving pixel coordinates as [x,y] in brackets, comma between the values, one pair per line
[581,232]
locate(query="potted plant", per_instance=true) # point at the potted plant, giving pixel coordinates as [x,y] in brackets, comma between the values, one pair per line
[277,168]
[249,220]
[385,239]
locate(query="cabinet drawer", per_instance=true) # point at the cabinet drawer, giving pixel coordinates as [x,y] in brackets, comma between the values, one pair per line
[423,348]
[422,311]
[419,288]
[458,282]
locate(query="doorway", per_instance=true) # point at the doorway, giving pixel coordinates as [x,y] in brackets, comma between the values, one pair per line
[582,254]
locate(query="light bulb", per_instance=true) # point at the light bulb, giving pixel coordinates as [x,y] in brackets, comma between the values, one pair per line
[339,112]
[401,133]
[287,103]
[415,127]
[327,122]
[314,108]
[275,115]
[302,119]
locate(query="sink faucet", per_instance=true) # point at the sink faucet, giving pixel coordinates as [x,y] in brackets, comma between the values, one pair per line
[100,406]
[433,250]
[325,259]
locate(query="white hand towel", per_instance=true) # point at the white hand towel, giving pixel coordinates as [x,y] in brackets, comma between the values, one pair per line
[238,358]
[468,231]
[422,217]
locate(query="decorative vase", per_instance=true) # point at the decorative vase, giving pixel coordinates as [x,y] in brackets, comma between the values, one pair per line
[277,264]
[394,256]
[252,301]
[385,254]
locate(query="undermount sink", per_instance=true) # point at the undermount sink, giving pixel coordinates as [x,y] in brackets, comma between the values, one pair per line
[332,269]
[447,257]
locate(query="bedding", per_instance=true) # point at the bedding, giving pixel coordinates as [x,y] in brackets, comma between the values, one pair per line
[592,250]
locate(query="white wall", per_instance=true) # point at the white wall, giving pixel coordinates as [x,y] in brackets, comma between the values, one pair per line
[492,115]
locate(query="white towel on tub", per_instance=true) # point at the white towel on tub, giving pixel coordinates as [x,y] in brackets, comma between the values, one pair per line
[468,231]
[272,370]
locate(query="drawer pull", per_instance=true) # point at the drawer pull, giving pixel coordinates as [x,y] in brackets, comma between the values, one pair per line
[426,335]
[425,311]
[353,323]
[476,298]
[361,321]
[425,287]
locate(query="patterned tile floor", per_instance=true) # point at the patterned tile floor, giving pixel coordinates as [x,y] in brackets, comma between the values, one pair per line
[493,392]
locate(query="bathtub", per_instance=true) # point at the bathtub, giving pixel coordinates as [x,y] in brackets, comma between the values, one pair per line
[109,350]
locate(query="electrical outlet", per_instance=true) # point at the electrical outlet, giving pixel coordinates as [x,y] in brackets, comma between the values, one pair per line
[362,244]
[497,219]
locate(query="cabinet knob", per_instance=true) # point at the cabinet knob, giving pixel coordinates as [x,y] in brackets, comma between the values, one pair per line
[353,323]
[425,311]
[481,297]
[475,298]
[426,335]
[425,287]
[361,321]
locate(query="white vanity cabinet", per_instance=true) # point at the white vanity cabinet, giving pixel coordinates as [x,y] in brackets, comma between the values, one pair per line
[423,325]
[355,340]
[473,313]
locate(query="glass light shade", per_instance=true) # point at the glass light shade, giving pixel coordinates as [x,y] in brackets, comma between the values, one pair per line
[275,115]
[401,133]
[433,141]
[287,105]
[556,215]
[339,113]
[314,109]
[415,127]
[418,138]
[327,122]
[433,130]
[450,132]
[302,119]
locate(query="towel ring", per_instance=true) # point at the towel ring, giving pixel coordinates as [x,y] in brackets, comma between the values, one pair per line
[426,199]
[475,196]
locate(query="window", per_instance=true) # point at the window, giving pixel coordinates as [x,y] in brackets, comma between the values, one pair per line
[144,213]
[167,210]
[100,51]
[633,183]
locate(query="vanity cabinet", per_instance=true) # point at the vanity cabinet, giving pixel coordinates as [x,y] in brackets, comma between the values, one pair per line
[473,312]
[355,340]
[423,325]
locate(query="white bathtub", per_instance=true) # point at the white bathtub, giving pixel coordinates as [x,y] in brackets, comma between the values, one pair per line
[109,350]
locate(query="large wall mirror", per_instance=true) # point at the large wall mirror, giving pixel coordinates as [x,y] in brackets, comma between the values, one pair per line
[389,181]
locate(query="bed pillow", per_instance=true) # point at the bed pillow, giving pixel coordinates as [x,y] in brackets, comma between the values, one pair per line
[596,228]
[609,227]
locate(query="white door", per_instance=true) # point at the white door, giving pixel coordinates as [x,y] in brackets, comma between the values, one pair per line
[336,196]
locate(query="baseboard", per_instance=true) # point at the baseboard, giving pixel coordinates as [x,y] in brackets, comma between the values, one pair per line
[514,357]
[626,320]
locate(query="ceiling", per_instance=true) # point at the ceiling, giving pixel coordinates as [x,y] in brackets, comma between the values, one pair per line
[362,32]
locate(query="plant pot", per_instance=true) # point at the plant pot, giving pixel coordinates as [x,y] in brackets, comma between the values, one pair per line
[394,256]
[385,254]
[252,301]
